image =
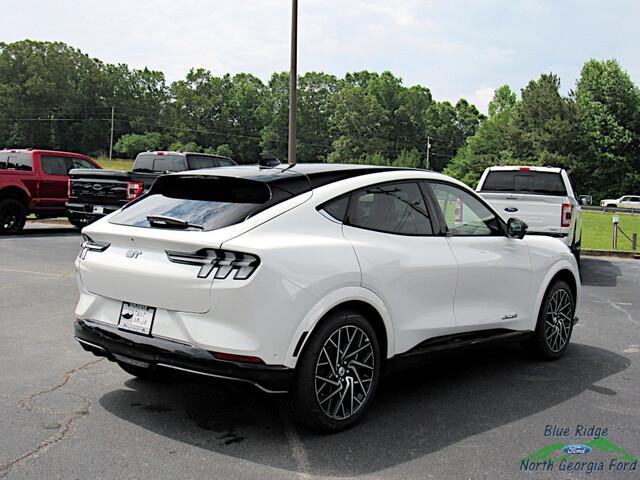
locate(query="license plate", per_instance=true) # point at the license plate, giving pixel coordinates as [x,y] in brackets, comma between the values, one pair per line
[98,209]
[136,318]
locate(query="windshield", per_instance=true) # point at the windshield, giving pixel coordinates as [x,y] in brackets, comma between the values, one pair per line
[524,181]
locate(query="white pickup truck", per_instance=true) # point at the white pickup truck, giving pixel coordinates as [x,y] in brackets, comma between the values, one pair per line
[543,197]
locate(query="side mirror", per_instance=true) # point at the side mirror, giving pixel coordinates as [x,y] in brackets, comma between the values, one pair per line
[516,228]
[585,199]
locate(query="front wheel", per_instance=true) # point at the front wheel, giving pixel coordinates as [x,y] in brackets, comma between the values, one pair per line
[337,374]
[555,323]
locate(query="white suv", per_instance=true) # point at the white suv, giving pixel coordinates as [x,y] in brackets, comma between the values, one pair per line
[309,279]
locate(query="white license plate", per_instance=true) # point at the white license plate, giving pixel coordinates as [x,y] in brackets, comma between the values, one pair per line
[136,318]
[98,209]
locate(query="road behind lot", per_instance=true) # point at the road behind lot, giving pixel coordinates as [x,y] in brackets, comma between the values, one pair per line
[66,414]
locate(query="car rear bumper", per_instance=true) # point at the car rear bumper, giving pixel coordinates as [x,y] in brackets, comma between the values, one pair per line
[117,345]
[84,211]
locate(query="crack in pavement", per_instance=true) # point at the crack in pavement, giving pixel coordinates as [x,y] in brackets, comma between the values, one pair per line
[66,425]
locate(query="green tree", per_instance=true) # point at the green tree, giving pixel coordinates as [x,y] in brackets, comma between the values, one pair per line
[408,159]
[131,144]
[608,110]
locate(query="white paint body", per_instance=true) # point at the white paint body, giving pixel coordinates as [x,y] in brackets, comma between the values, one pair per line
[421,287]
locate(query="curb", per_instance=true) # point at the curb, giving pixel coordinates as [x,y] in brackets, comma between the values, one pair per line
[609,253]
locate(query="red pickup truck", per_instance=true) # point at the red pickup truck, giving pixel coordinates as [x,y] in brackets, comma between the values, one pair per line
[35,181]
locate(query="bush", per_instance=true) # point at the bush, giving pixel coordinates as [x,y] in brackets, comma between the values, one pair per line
[131,144]
[408,158]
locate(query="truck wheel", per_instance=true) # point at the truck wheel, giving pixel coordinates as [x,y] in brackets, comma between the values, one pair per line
[337,374]
[13,215]
[78,223]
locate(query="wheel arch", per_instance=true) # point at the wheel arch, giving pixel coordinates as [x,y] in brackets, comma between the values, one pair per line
[358,299]
[561,271]
[18,193]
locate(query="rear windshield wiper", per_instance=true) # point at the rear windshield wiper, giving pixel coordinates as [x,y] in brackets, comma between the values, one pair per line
[171,222]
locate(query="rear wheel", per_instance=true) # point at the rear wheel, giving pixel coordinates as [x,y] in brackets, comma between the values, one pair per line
[147,374]
[555,323]
[337,374]
[13,215]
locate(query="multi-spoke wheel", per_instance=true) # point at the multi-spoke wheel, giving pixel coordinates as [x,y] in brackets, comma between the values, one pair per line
[558,320]
[344,372]
[555,322]
[12,215]
[337,373]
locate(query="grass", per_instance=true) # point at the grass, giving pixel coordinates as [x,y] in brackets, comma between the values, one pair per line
[115,164]
[597,230]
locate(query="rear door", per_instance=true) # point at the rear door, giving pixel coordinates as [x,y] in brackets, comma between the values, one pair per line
[403,259]
[493,283]
[53,180]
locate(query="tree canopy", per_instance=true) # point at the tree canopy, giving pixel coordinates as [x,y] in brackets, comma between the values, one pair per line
[55,96]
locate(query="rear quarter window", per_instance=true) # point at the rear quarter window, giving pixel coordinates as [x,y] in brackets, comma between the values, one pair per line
[524,181]
[16,161]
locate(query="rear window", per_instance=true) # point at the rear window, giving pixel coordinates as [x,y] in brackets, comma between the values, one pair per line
[150,162]
[523,181]
[197,162]
[16,161]
[212,202]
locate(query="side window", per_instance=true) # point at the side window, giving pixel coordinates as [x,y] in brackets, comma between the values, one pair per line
[337,208]
[16,161]
[391,208]
[464,214]
[80,163]
[225,162]
[55,165]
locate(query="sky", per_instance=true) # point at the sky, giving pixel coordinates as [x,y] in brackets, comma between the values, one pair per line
[457,48]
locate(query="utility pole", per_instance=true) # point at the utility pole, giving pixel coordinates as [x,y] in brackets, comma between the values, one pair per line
[293,82]
[428,151]
[111,141]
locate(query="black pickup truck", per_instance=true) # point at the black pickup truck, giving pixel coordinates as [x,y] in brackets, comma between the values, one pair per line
[96,193]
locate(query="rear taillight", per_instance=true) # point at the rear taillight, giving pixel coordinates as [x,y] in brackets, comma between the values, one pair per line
[134,190]
[566,215]
[222,261]
[68,188]
[89,245]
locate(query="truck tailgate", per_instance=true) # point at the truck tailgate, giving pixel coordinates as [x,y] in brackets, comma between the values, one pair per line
[97,186]
[541,212]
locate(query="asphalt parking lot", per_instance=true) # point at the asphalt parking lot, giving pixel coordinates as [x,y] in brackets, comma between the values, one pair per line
[67,414]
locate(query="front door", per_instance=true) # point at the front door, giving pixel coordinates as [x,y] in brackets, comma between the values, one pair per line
[494,279]
[53,181]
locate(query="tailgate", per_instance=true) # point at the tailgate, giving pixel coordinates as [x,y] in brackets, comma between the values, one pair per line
[98,186]
[541,212]
[135,267]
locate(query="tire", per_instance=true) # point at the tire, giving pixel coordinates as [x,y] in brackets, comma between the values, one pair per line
[576,253]
[13,216]
[330,395]
[78,223]
[145,374]
[555,323]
